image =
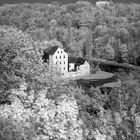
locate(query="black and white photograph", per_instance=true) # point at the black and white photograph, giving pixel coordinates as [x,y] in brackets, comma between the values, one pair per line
[69,69]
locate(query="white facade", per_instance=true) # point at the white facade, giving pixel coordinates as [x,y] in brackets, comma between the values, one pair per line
[60,60]
[81,70]
[71,66]
[102,3]
[85,68]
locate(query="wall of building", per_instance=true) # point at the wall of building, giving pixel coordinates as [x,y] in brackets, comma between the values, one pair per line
[102,3]
[82,70]
[85,68]
[60,58]
[71,66]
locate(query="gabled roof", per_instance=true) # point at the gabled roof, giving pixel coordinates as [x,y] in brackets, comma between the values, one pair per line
[77,60]
[51,50]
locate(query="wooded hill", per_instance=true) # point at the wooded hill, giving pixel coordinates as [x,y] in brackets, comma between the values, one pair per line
[114,29]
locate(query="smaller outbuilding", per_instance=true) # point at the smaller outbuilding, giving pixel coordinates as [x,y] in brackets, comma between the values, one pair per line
[75,62]
[78,65]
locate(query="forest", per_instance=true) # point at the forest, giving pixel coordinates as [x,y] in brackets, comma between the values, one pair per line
[36,104]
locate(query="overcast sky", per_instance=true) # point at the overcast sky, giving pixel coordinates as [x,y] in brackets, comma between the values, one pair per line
[61,1]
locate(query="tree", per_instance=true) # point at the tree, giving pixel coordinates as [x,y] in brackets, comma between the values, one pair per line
[17,58]
[50,112]
[125,110]
[122,106]
[113,113]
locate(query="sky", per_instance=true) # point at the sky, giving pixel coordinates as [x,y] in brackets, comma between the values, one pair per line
[61,1]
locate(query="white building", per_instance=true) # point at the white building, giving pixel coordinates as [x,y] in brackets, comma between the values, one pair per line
[79,65]
[102,3]
[57,58]
[85,68]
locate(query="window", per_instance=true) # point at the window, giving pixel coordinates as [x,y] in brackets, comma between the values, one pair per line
[64,68]
[56,57]
[61,51]
[64,56]
[60,57]
[58,52]
[64,62]
[60,63]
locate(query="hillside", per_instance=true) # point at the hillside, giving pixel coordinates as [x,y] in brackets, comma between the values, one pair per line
[37,102]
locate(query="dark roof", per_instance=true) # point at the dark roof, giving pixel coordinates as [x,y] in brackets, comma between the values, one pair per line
[77,60]
[72,59]
[51,50]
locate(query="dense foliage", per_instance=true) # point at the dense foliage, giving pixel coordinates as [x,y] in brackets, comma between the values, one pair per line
[16,58]
[49,113]
[36,103]
[114,114]
[112,26]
